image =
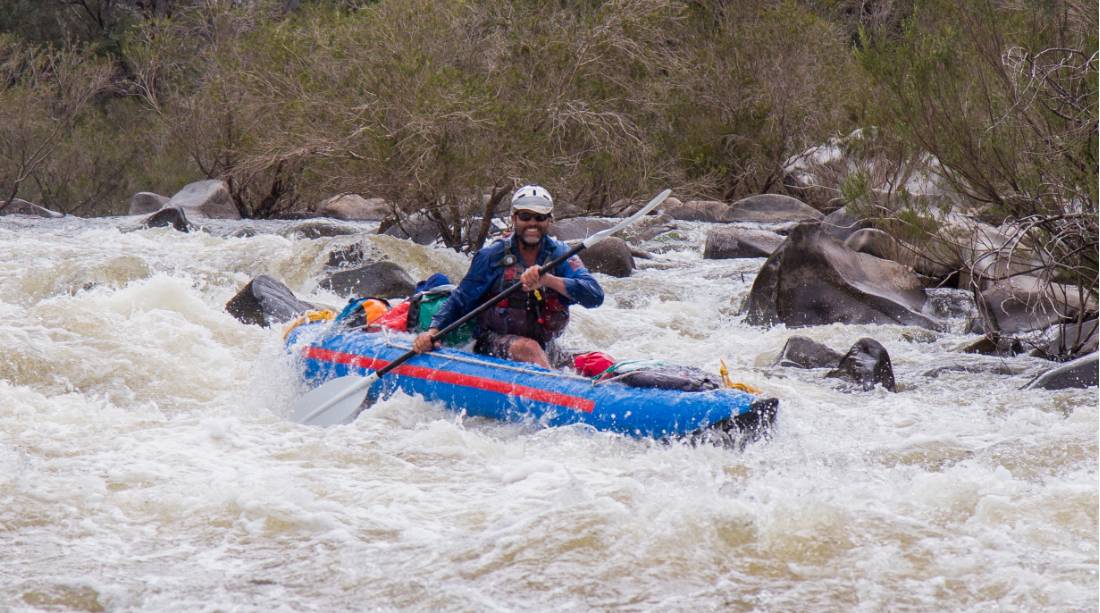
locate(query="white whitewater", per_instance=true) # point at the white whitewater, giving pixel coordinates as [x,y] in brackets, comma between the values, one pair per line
[146,463]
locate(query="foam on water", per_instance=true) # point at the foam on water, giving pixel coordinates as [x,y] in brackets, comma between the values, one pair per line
[146,462]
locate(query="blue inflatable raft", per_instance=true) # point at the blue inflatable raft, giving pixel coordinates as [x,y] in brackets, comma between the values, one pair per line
[502,389]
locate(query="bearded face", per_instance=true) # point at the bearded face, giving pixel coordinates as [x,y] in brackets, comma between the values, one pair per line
[530,227]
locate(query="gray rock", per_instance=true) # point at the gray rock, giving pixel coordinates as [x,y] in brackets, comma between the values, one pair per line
[873,242]
[648,228]
[1070,341]
[880,244]
[1004,346]
[346,256]
[947,302]
[1080,373]
[803,352]
[579,228]
[984,252]
[696,210]
[418,229]
[771,208]
[378,279]
[669,204]
[265,301]
[732,242]
[1024,303]
[208,198]
[143,203]
[170,217]
[974,368]
[611,256]
[840,224]
[18,206]
[354,207]
[814,280]
[318,229]
[867,364]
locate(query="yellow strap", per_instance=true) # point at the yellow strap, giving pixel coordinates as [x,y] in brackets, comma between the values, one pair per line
[310,316]
[744,387]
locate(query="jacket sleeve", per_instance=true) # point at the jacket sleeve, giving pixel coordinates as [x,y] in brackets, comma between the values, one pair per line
[579,283]
[465,297]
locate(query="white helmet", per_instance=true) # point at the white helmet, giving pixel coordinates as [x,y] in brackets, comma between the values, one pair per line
[532,198]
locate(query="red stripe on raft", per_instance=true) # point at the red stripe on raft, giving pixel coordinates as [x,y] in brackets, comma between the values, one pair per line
[444,376]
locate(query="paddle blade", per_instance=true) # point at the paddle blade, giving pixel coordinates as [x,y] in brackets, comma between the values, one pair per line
[652,204]
[336,402]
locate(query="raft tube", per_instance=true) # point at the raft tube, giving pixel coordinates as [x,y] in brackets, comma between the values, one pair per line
[516,391]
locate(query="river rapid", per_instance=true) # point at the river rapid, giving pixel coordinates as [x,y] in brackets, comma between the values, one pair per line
[147,462]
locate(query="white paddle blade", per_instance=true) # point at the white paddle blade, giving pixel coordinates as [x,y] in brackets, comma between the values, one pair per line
[336,402]
[652,204]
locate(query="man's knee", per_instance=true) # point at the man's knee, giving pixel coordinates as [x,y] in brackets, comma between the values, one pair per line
[527,350]
[524,347]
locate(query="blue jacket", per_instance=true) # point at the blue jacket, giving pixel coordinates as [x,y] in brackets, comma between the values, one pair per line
[486,270]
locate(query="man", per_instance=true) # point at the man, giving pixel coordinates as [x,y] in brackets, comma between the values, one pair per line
[523,326]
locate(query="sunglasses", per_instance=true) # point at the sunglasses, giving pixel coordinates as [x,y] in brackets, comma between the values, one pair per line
[528,216]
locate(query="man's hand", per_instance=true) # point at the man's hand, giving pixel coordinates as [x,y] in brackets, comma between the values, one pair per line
[423,341]
[530,279]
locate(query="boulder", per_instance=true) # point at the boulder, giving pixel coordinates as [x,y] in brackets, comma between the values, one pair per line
[18,206]
[732,242]
[208,198]
[265,301]
[648,228]
[1025,303]
[627,208]
[354,207]
[579,228]
[318,228]
[802,352]
[379,279]
[562,210]
[611,256]
[873,242]
[696,210]
[993,368]
[169,217]
[1003,346]
[840,224]
[867,364]
[1079,373]
[346,256]
[771,208]
[244,232]
[1071,340]
[814,280]
[143,203]
[948,302]
[417,228]
[881,245]
[983,252]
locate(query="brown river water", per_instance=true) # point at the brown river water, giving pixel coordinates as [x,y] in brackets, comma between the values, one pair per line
[147,463]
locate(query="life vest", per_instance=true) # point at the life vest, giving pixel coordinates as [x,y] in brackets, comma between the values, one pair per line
[540,315]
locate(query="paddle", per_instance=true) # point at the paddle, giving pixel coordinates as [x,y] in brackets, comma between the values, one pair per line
[338,400]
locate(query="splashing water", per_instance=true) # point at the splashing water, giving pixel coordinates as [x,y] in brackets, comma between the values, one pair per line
[146,462]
